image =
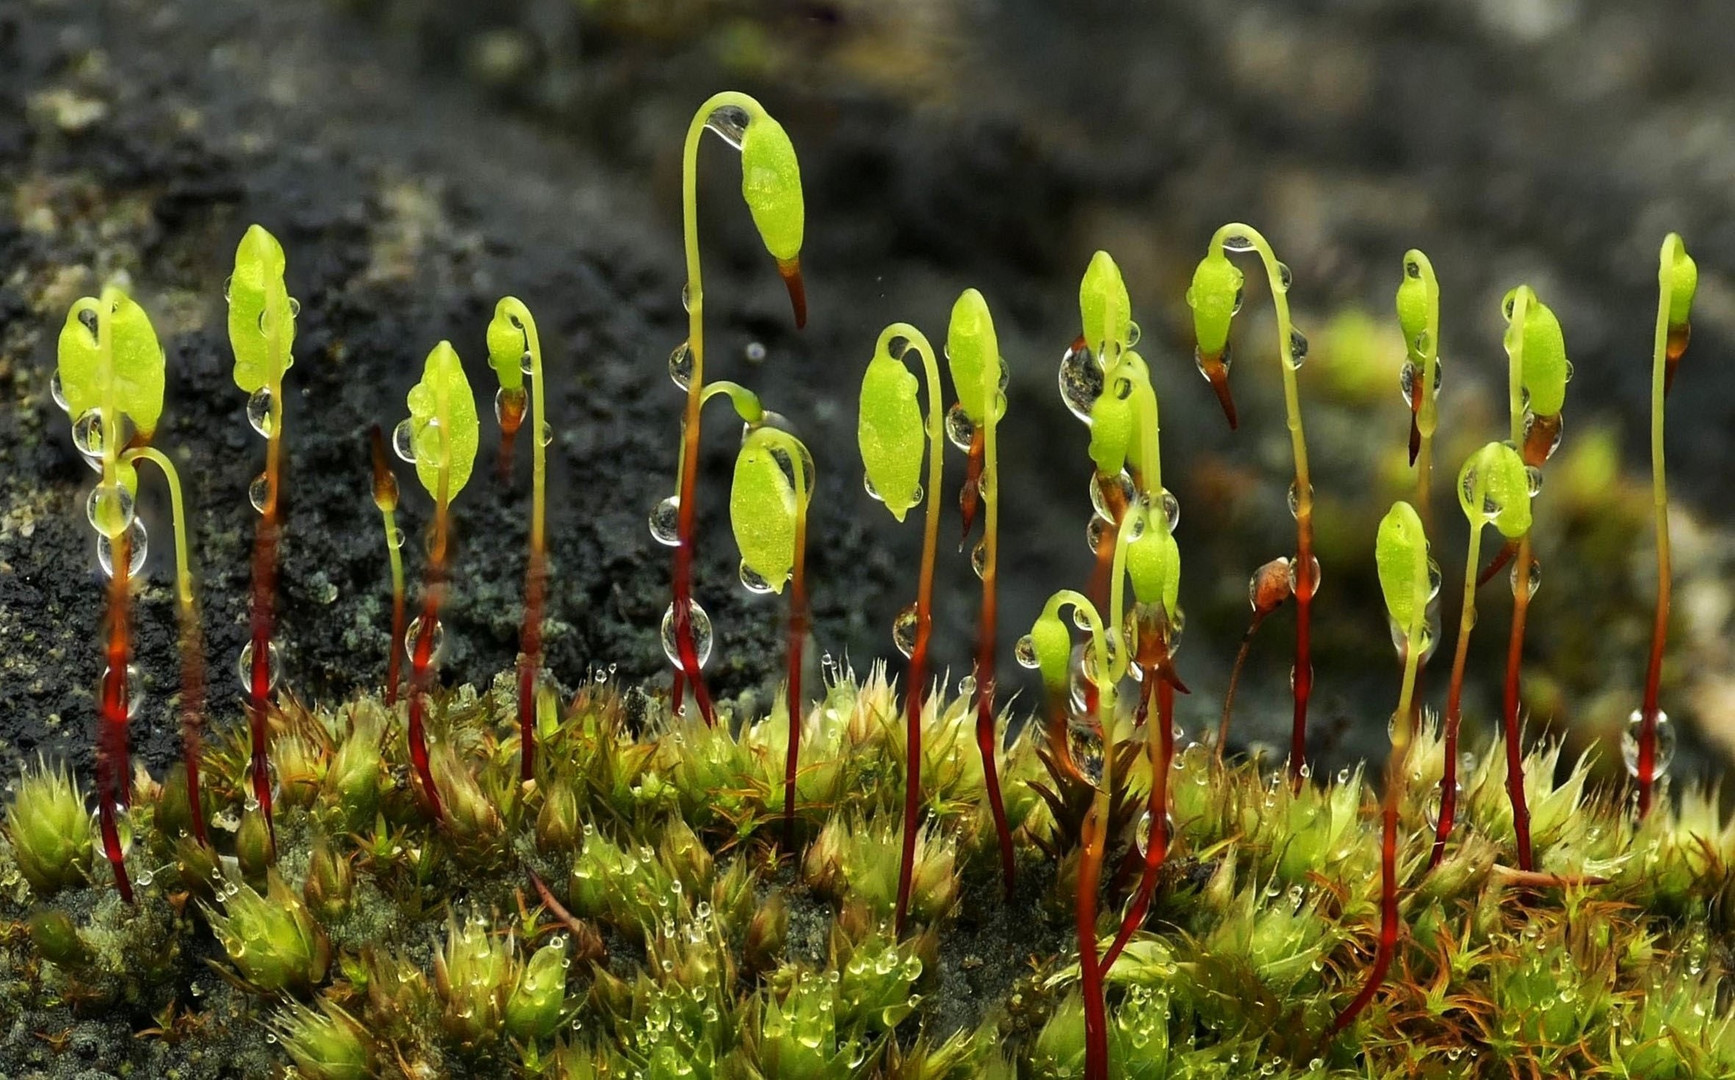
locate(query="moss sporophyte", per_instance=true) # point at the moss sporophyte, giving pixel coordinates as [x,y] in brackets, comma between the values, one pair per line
[519,881]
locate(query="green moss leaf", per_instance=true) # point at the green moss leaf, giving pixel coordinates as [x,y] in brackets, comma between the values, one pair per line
[443,423]
[973,355]
[1214,296]
[133,370]
[1401,553]
[261,318]
[1103,307]
[771,184]
[1496,474]
[890,434]
[763,504]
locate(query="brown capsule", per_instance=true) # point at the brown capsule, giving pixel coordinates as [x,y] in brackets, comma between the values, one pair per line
[1272,585]
[385,481]
[1673,349]
[790,269]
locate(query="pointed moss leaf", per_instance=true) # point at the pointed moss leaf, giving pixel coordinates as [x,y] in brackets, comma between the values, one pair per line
[1103,306]
[771,184]
[1545,366]
[890,433]
[1401,553]
[133,371]
[443,424]
[508,340]
[1413,303]
[1111,429]
[973,355]
[1053,644]
[261,324]
[1213,296]
[1495,474]
[1683,281]
[1154,566]
[763,506]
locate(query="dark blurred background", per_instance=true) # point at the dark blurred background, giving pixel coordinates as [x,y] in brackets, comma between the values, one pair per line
[420,158]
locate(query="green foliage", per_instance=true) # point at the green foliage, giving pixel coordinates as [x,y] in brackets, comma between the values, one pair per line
[1103,307]
[1493,488]
[771,184]
[1401,554]
[49,830]
[271,937]
[889,432]
[261,313]
[131,369]
[1214,296]
[444,428]
[326,1043]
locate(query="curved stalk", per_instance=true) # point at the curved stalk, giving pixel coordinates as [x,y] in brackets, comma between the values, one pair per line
[191,637]
[386,498]
[1455,692]
[918,670]
[987,733]
[1669,343]
[1305,582]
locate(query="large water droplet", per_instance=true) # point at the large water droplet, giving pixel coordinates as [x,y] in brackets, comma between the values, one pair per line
[1297,348]
[259,411]
[1533,479]
[1171,510]
[1284,278]
[404,441]
[413,637]
[527,362]
[867,483]
[273,667]
[1491,506]
[681,366]
[1535,578]
[904,630]
[753,581]
[1025,652]
[1665,744]
[1295,499]
[1407,379]
[88,433]
[137,540]
[1111,494]
[58,392]
[259,492]
[1094,531]
[509,406]
[1431,811]
[729,121]
[545,434]
[1080,381]
[109,508]
[979,558]
[700,624]
[960,429]
[1295,576]
[1237,242]
[135,687]
[1530,423]
[665,522]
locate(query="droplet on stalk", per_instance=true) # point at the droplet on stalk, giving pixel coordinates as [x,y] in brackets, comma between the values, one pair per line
[700,624]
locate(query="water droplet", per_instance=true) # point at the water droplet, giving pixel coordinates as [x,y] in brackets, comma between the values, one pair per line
[979,558]
[395,538]
[1530,422]
[1025,652]
[228,284]
[1533,479]
[259,411]
[1407,383]
[1094,530]
[546,433]
[867,483]
[699,623]
[137,545]
[960,429]
[904,630]
[1237,242]
[273,667]
[1110,494]
[527,362]
[752,581]
[1665,743]
[917,495]
[403,441]
[1240,296]
[1535,578]
[413,638]
[259,492]
[1284,278]
[294,307]
[1297,348]
[58,392]
[509,406]
[1171,510]
[1431,811]
[681,365]
[966,686]
[88,433]
[754,352]
[109,508]
[729,121]
[135,688]
[1295,499]
[665,522]
[1080,381]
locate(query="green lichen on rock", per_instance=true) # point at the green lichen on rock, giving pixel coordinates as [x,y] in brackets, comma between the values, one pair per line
[631,913]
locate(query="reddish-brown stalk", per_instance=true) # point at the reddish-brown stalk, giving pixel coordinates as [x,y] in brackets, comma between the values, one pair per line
[1302,672]
[798,621]
[113,772]
[530,655]
[683,575]
[193,718]
[1389,923]
[1514,661]
[1090,970]
[1161,741]
[421,660]
[385,486]
[1269,589]
[260,677]
[918,677]
[982,450]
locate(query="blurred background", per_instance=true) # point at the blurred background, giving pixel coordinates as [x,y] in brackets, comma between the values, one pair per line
[419,158]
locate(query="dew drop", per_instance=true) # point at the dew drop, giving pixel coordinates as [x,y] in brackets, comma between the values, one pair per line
[754,353]
[753,581]
[546,433]
[960,429]
[259,411]
[87,433]
[904,631]
[109,508]
[1081,381]
[527,362]
[1665,743]
[273,667]
[1171,510]
[730,122]
[294,308]
[700,624]
[1237,242]
[665,522]
[509,406]
[259,492]
[1295,577]
[1297,349]
[979,558]
[681,364]
[403,441]
[1431,811]
[1025,652]
[1109,494]
[1533,480]
[1094,531]
[1295,499]
[228,285]
[413,638]
[58,392]
[966,686]
[137,545]
[395,538]
[1407,383]
[1284,277]
[1535,576]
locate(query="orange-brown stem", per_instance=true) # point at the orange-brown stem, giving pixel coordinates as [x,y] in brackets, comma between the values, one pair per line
[530,657]
[1235,681]
[113,771]
[918,676]
[1416,421]
[1217,374]
[1090,970]
[970,496]
[1060,736]
[987,740]
[1514,754]
[682,585]
[1157,843]
[422,663]
[798,623]
[1305,584]
[1449,777]
[193,715]
[1389,923]
[790,271]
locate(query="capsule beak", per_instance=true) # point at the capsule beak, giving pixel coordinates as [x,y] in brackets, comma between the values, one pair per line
[970,497]
[791,271]
[1217,374]
[1501,558]
[1415,426]
[1673,350]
